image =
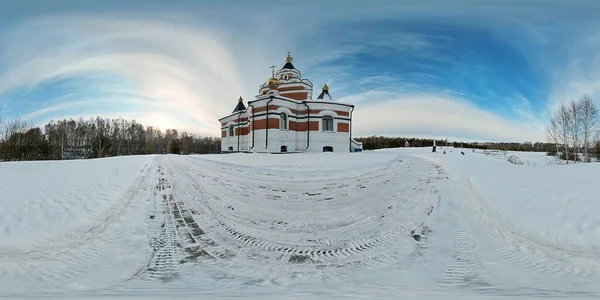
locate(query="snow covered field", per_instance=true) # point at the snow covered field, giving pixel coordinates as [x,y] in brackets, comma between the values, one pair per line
[396,223]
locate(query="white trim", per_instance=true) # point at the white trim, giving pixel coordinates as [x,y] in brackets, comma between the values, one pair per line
[327,112]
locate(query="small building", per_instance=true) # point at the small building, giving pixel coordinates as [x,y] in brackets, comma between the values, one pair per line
[284,117]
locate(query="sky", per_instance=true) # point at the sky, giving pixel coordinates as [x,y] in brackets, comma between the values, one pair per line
[456,69]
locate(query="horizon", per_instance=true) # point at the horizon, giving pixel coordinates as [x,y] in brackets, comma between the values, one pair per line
[488,72]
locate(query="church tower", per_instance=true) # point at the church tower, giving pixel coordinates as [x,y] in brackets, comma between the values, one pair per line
[287,82]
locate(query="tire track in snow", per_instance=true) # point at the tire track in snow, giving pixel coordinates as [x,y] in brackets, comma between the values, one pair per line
[175,237]
[465,266]
[302,198]
[532,267]
[528,253]
[162,234]
[514,264]
[79,237]
[59,265]
[335,254]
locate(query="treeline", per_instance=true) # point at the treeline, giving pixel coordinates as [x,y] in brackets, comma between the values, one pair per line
[575,130]
[95,138]
[382,142]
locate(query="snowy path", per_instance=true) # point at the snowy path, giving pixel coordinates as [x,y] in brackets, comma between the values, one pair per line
[192,226]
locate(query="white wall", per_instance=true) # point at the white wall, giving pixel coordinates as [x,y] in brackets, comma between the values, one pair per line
[296,141]
[277,138]
[232,141]
[340,141]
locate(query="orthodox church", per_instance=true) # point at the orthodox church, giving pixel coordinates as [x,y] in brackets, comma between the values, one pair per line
[284,117]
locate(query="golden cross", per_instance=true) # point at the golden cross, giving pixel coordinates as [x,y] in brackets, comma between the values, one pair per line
[273,70]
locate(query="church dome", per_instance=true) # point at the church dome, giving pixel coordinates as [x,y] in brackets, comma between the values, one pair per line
[273,82]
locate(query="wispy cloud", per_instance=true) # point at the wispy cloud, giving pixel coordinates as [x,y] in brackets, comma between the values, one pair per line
[488,71]
[188,70]
[440,118]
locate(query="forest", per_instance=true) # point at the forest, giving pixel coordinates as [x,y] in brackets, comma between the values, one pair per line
[380,142]
[95,138]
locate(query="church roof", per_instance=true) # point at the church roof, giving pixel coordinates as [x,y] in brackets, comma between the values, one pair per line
[240,106]
[288,65]
[288,62]
[325,94]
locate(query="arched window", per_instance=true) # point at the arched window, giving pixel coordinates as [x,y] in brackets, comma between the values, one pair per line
[327,149]
[231,130]
[283,148]
[230,148]
[283,121]
[327,123]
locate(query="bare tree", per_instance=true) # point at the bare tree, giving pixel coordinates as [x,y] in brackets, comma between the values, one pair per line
[575,126]
[589,118]
[553,133]
[13,131]
[562,118]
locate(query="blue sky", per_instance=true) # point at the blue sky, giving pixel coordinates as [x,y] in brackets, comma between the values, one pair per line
[468,70]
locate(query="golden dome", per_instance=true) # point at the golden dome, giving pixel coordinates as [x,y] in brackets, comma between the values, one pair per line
[273,82]
[289,58]
[325,87]
[240,99]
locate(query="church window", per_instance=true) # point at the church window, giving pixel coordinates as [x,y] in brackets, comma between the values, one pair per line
[283,121]
[327,123]
[283,148]
[231,130]
[327,149]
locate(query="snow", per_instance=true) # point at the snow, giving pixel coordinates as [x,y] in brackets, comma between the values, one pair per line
[522,158]
[304,161]
[42,200]
[378,224]
[552,204]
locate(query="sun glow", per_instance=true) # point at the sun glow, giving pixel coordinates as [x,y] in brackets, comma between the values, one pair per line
[163,121]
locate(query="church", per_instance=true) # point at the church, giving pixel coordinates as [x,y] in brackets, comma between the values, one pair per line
[284,117]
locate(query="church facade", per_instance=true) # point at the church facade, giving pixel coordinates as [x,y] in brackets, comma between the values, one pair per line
[283,117]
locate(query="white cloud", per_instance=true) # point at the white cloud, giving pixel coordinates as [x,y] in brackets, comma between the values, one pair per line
[189,70]
[439,117]
[579,74]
